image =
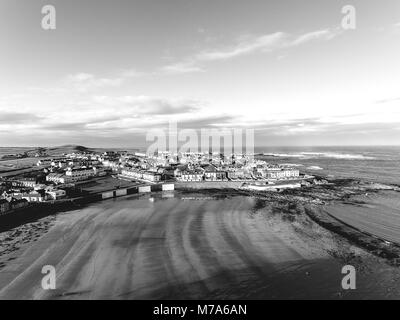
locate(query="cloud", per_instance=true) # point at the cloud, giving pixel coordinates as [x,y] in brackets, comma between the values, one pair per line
[387,100]
[264,43]
[246,45]
[157,106]
[86,81]
[11,118]
[181,67]
[127,118]
[80,77]
[130,116]
[146,105]
[319,128]
[251,44]
[67,126]
[315,35]
[73,114]
[118,115]
[133,73]
[216,121]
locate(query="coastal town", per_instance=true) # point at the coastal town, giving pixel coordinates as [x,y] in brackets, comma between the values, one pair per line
[72,175]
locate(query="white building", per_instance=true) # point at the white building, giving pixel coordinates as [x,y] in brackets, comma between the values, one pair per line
[78,174]
[113,164]
[33,197]
[58,178]
[195,175]
[151,176]
[279,173]
[141,175]
[132,173]
[56,194]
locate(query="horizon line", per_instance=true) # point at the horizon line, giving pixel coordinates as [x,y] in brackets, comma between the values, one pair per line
[266,146]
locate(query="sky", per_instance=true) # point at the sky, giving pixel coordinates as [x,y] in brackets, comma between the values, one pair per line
[113,70]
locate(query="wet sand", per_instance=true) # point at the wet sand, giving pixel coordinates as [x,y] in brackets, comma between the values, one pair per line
[229,248]
[376,214]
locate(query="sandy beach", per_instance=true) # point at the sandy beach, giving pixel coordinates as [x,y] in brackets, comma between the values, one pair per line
[378,215]
[229,248]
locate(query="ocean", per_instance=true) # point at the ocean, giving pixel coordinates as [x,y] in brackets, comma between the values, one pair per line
[374,164]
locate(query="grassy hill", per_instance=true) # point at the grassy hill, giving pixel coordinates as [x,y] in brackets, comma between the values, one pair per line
[70,148]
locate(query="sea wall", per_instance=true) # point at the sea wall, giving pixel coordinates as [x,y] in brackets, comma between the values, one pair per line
[109,194]
[208,185]
[273,187]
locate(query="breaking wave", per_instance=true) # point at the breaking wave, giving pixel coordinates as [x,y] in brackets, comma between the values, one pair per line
[315,168]
[319,155]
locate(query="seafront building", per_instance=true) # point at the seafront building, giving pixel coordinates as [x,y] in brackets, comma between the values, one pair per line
[57,178]
[191,175]
[78,174]
[139,174]
[4,206]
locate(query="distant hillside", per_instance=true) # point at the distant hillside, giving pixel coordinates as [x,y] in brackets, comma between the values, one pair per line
[59,150]
[29,152]
[70,148]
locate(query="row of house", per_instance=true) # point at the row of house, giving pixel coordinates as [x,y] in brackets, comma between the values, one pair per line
[13,204]
[209,172]
[78,174]
[199,173]
[138,174]
[277,173]
[71,175]
[190,175]
[70,160]
[58,178]
[51,161]
[28,182]
[212,173]
[41,195]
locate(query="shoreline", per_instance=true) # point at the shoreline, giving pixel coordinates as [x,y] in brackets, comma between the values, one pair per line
[371,243]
